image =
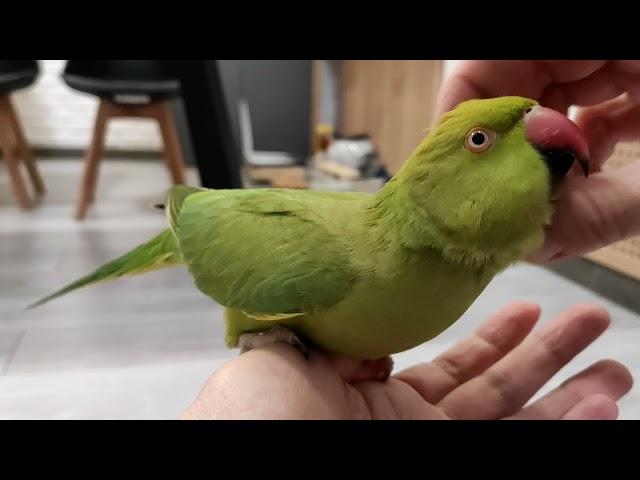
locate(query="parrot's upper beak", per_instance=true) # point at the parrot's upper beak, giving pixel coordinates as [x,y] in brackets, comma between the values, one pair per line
[558,139]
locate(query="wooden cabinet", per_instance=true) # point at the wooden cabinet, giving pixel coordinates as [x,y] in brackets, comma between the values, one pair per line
[392,101]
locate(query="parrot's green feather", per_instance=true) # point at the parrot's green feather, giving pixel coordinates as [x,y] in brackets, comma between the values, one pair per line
[159,252]
[269,252]
[274,317]
[175,198]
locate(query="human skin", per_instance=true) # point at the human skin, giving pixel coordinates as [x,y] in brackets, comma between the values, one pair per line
[490,375]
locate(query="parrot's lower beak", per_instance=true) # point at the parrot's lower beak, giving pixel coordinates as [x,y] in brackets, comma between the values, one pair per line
[558,139]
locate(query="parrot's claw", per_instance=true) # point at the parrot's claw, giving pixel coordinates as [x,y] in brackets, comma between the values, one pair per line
[279,333]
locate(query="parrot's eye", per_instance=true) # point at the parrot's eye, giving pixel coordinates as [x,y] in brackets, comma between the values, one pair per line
[478,140]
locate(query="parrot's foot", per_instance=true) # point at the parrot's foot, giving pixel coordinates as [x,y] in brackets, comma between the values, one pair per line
[279,333]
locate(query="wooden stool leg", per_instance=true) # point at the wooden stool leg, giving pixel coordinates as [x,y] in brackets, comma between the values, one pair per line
[13,167]
[92,160]
[23,147]
[172,149]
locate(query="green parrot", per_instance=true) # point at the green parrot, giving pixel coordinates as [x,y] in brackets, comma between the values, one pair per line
[370,275]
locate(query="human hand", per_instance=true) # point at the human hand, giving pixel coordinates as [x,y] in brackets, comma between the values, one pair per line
[603,208]
[490,375]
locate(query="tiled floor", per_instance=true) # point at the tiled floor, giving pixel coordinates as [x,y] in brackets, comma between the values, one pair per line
[142,347]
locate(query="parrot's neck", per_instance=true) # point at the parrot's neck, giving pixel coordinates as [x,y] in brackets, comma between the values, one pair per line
[395,217]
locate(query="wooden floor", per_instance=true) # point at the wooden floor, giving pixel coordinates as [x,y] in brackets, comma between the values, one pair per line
[142,347]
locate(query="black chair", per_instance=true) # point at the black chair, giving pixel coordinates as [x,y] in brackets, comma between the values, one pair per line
[15,75]
[126,88]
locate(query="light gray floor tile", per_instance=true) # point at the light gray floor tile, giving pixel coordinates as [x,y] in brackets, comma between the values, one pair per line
[157,390]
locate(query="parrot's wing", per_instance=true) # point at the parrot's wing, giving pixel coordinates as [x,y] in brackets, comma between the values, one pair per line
[271,253]
[175,198]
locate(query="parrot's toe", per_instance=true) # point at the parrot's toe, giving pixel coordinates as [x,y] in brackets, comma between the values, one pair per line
[277,334]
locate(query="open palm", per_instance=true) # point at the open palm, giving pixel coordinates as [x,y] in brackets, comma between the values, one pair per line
[491,375]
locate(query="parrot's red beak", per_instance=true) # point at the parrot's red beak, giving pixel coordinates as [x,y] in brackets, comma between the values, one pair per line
[558,139]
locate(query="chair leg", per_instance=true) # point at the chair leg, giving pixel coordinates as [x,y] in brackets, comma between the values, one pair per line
[23,147]
[172,149]
[92,161]
[13,167]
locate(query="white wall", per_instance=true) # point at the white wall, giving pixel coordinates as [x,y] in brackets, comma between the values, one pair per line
[54,116]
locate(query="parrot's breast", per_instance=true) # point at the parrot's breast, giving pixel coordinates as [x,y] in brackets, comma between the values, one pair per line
[383,316]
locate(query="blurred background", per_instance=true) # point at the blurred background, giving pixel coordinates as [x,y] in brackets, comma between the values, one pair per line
[88,147]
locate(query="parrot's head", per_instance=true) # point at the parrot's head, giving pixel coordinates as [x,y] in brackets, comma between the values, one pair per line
[484,178]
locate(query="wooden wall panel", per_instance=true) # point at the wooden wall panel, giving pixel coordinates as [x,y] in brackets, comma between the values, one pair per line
[391,100]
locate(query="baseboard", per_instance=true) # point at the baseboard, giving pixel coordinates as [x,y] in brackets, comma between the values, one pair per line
[43,152]
[608,283]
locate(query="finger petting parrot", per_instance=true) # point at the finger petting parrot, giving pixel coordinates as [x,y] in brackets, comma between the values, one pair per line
[370,275]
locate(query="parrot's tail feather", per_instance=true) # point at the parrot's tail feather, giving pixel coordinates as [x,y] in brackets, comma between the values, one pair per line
[159,252]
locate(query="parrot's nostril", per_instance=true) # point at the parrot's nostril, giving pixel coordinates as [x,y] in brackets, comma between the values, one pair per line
[528,110]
